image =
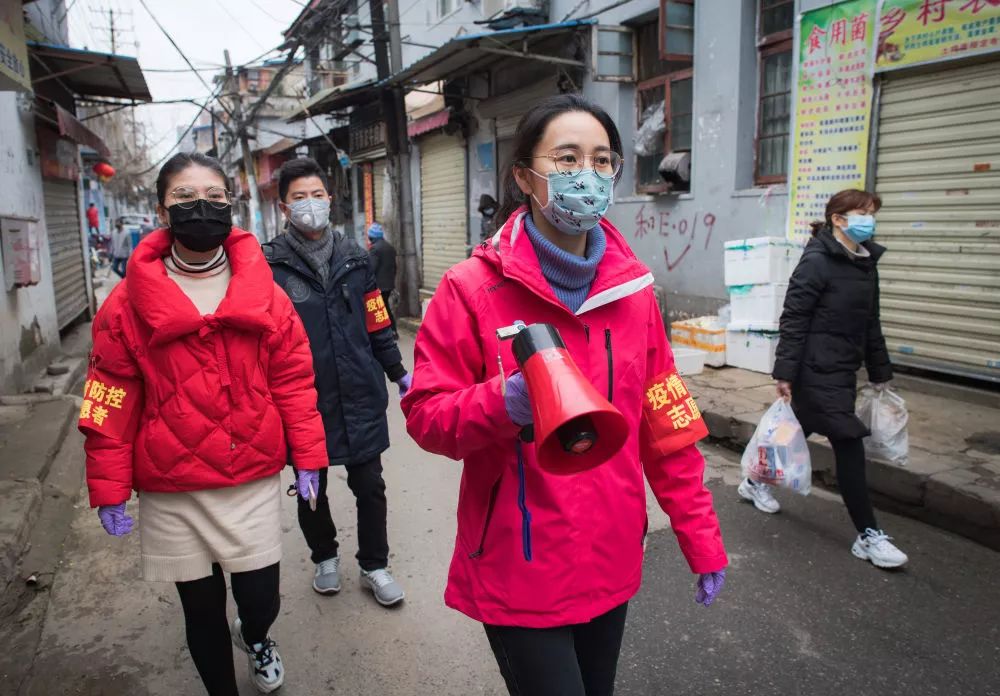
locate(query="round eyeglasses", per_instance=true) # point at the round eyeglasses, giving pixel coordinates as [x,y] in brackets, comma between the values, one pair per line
[572,161]
[187,198]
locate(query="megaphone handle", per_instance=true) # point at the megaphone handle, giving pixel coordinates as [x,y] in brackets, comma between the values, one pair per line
[527,433]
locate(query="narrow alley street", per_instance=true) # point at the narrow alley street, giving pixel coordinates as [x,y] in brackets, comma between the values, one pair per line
[795,597]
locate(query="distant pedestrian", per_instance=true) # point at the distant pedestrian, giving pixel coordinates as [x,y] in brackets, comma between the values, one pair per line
[93,220]
[383,256]
[121,248]
[549,562]
[145,228]
[200,386]
[330,280]
[830,326]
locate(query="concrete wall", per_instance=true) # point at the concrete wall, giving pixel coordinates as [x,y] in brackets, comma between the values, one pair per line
[28,331]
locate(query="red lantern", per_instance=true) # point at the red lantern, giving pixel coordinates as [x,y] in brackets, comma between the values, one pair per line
[104,170]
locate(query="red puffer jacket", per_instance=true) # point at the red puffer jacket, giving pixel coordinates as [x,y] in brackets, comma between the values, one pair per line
[583,533]
[177,401]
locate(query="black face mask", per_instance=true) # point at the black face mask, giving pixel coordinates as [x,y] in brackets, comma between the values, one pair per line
[201,228]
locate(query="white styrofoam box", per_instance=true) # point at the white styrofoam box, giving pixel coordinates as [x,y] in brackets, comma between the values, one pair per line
[760,260]
[751,346]
[704,333]
[758,304]
[689,361]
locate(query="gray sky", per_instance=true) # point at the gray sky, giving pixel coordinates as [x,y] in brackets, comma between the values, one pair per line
[202,29]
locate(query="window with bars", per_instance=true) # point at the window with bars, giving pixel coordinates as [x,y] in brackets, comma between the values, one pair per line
[775,20]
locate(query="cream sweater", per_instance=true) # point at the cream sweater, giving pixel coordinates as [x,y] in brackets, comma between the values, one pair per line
[205,289]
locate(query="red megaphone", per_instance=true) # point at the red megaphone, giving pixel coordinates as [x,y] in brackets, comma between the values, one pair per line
[575,428]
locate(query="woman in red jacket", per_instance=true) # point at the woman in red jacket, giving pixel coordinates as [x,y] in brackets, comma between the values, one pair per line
[546,562]
[200,383]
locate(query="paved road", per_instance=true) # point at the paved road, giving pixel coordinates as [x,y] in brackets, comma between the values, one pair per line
[799,614]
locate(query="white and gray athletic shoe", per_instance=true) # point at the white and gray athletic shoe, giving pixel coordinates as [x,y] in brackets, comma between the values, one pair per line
[874,545]
[760,495]
[385,588]
[267,672]
[327,578]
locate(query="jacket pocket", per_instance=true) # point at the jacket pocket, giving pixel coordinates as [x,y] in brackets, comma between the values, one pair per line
[494,491]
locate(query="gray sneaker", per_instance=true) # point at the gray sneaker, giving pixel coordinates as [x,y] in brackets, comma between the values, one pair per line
[327,578]
[385,588]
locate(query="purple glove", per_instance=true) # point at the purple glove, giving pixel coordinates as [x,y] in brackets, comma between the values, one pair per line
[114,520]
[306,478]
[709,586]
[517,402]
[404,384]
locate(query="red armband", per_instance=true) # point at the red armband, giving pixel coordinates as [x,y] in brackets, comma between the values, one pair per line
[672,417]
[376,313]
[110,405]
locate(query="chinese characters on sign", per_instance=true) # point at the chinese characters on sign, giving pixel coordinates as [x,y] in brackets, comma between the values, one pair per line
[921,31]
[368,193]
[670,396]
[98,397]
[13,51]
[376,313]
[832,108]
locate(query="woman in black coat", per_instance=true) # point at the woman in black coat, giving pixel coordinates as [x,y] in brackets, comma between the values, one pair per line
[829,327]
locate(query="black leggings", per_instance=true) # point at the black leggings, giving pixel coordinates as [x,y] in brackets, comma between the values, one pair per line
[577,660]
[207,627]
[850,456]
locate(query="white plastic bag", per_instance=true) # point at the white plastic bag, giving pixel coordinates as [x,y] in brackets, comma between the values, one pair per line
[885,414]
[777,454]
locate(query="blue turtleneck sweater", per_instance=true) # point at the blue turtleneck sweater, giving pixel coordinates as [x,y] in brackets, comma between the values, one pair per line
[569,275]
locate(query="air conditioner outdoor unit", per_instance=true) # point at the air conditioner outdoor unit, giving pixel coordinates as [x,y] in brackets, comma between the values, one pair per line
[495,8]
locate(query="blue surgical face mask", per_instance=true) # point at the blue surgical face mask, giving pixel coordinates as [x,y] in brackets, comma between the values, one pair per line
[577,202]
[860,228]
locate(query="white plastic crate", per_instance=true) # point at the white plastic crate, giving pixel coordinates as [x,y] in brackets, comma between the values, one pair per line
[704,333]
[689,361]
[760,260]
[751,346]
[757,304]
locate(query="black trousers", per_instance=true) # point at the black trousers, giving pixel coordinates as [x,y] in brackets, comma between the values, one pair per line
[388,308]
[577,660]
[207,627]
[118,266]
[366,482]
[850,458]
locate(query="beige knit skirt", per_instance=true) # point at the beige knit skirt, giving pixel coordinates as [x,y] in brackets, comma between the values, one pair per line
[182,534]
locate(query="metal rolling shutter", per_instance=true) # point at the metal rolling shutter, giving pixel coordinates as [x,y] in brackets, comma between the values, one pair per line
[69,276]
[938,174]
[508,108]
[442,210]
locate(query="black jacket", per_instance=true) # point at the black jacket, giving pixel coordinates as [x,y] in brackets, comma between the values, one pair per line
[829,327]
[348,361]
[383,257]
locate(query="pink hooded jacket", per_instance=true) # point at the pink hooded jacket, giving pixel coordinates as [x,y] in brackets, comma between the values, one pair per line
[584,533]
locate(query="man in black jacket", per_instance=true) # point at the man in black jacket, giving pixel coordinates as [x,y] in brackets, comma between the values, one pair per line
[331,283]
[383,256]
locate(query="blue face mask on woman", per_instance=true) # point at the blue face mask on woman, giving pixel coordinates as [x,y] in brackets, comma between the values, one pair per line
[860,228]
[577,202]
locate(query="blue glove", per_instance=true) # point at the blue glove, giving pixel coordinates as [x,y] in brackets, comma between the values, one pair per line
[114,520]
[709,586]
[517,402]
[405,383]
[305,478]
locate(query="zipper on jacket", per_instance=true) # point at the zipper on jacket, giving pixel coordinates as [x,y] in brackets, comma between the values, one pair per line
[611,365]
[486,522]
[586,330]
[345,293]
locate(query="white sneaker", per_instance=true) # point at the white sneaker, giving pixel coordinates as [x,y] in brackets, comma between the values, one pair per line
[874,546]
[385,588]
[266,669]
[760,495]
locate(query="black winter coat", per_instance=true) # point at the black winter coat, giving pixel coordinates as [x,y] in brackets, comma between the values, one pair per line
[350,363]
[829,327]
[383,256]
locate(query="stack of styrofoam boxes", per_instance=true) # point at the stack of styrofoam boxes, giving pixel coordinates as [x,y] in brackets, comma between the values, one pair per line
[703,333]
[757,272]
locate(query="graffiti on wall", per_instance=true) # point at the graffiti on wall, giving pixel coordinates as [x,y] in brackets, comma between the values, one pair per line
[679,233]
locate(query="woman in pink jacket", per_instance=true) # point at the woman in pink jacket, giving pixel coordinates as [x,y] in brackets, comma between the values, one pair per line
[549,562]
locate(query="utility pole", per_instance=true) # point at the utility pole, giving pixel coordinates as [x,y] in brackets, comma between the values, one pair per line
[241,129]
[111,23]
[397,148]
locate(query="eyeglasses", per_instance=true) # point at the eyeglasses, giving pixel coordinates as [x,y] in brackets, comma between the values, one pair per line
[187,198]
[572,161]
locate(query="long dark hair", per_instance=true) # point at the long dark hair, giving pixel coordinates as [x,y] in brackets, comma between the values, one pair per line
[180,162]
[530,131]
[844,202]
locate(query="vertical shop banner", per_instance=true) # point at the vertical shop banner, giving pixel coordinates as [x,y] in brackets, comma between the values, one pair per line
[833,100]
[13,51]
[368,192]
[912,32]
